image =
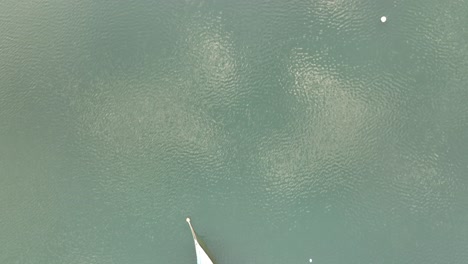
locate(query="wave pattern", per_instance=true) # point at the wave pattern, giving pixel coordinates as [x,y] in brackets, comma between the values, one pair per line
[287,130]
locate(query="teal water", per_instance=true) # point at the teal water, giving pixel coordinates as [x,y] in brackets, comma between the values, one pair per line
[287,131]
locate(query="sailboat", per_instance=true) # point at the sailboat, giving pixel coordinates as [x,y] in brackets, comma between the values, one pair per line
[202,256]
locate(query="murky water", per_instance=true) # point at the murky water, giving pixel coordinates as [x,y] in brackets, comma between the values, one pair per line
[287,131]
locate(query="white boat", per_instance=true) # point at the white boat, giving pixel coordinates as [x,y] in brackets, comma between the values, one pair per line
[202,256]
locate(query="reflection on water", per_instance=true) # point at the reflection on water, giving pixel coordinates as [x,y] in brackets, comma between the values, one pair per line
[287,130]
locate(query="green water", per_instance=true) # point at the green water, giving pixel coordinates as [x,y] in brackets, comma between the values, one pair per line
[287,130]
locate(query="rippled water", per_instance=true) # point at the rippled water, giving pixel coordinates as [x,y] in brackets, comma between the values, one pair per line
[287,130]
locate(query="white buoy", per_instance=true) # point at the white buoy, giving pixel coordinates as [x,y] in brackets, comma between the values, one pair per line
[383,19]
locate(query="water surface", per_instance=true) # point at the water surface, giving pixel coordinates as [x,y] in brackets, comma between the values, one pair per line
[287,130]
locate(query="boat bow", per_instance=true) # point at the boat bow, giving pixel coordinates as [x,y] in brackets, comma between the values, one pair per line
[202,256]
